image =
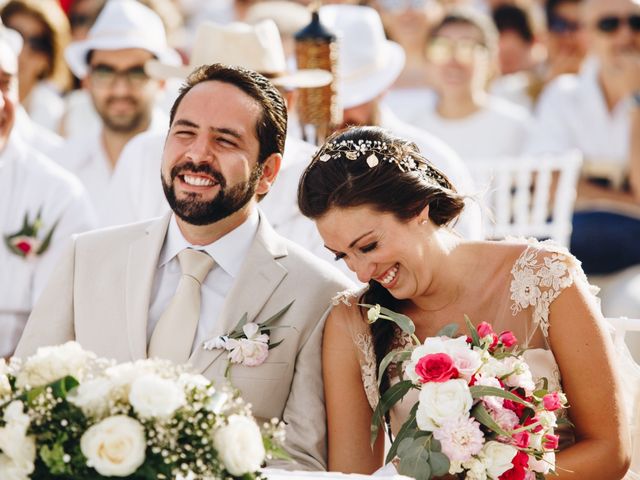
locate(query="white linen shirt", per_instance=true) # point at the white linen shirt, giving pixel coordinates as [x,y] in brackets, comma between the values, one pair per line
[572,114]
[84,156]
[30,182]
[228,254]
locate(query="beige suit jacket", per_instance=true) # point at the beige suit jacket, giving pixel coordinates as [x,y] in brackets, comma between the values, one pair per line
[100,294]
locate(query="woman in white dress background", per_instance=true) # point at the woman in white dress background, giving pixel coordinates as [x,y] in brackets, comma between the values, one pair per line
[384,210]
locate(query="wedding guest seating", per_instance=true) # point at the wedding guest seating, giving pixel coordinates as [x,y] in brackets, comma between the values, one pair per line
[529,196]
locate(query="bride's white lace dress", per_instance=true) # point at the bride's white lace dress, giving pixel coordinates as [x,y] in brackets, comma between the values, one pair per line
[522,302]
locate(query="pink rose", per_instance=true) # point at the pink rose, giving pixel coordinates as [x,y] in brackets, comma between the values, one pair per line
[522,439]
[550,441]
[436,367]
[24,247]
[508,339]
[484,330]
[552,401]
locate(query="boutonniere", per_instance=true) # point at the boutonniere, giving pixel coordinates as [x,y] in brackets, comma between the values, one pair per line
[27,243]
[249,342]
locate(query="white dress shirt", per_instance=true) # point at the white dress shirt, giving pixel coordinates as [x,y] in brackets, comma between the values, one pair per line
[499,128]
[84,155]
[30,182]
[572,114]
[228,253]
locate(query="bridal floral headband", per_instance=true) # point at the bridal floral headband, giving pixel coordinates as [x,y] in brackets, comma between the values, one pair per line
[376,152]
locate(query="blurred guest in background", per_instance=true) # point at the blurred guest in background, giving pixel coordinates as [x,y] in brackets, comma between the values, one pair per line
[43,73]
[462,56]
[41,206]
[565,38]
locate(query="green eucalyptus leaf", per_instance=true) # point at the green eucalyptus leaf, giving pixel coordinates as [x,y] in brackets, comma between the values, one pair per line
[276,316]
[479,391]
[407,432]
[402,321]
[472,331]
[449,330]
[404,446]
[482,415]
[388,400]
[393,356]
[436,446]
[417,465]
[439,464]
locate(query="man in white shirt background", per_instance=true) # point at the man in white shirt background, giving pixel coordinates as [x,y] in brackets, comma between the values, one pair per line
[110,62]
[41,205]
[598,112]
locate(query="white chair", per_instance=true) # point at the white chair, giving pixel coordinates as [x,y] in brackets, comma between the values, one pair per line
[528,196]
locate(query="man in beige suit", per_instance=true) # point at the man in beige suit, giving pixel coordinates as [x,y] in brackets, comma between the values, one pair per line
[116,290]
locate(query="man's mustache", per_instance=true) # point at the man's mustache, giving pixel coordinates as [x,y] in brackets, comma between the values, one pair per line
[127,98]
[190,167]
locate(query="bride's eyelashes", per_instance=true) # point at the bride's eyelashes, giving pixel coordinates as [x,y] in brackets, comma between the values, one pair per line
[369,247]
[339,256]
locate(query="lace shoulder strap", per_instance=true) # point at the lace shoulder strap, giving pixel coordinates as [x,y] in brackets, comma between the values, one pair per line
[541,272]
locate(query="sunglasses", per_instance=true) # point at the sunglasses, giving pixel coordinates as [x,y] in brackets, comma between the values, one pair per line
[612,23]
[441,51]
[105,75]
[561,25]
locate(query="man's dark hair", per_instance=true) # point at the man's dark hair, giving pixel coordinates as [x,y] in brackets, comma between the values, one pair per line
[514,18]
[271,127]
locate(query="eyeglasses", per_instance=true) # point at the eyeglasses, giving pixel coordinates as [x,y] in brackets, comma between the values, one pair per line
[398,5]
[612,23]
[561,25]
[105,75]
[441,51]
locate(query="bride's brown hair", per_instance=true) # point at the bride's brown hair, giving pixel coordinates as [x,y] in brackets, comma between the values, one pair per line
[398,180]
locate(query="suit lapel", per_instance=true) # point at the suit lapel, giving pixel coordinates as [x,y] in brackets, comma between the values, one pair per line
[259,276]
[141,269]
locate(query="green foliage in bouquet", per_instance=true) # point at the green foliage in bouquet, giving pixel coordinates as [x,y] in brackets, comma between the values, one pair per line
[479,413]
[65,414]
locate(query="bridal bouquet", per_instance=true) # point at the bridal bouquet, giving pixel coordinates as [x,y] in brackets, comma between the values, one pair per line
[479,414]
[64,413]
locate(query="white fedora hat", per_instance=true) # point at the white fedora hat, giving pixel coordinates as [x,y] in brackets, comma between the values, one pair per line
[122,24]
[256,47]
[368,63]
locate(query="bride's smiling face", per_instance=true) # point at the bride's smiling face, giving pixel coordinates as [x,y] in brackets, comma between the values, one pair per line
[378,246]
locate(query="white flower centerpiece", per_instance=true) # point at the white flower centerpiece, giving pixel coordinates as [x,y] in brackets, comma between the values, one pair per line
[64,413]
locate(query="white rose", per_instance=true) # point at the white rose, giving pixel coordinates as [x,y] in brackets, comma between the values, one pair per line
[12,470]
[155,397]
[53,363]
[92,397]
[545,465]
[239,444]
[441,401]
[497,458]
[475,470]
[547,419]
[115,446]
[19,450]
[188,381]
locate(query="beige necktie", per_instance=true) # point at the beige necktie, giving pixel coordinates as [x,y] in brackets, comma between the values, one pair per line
[173,336]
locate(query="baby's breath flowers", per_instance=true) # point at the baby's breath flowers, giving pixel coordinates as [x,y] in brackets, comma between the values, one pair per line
[149,419]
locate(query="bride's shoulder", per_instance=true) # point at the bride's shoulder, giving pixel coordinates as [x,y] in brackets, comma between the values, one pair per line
[534,254]
[347,311]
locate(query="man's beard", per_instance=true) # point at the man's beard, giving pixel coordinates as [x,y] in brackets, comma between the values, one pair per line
[225,203]
[124,123]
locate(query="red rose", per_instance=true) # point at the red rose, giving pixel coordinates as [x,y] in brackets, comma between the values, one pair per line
[508,339]
[552,401]
[550,442]
[436,367]
[484,330]
[515,407]
[532,421]
[519,471]
[24,247]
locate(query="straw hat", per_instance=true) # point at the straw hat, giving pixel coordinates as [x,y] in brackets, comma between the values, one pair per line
[122,24]
[368,63]
[256,47]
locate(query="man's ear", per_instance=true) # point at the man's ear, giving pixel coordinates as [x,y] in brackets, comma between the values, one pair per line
[270,170]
